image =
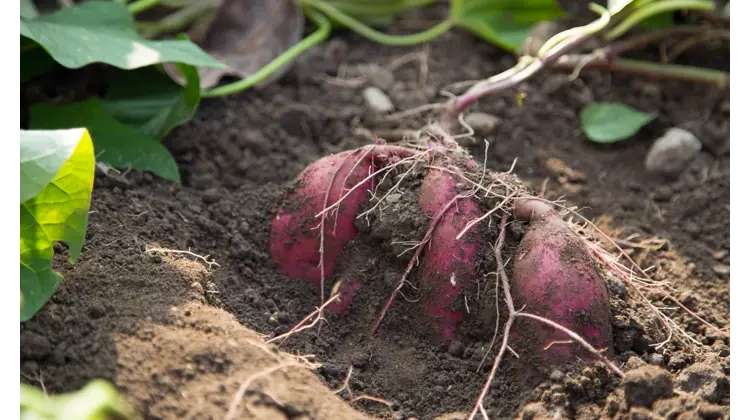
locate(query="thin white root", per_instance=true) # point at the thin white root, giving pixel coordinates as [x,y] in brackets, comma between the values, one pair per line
[209,263]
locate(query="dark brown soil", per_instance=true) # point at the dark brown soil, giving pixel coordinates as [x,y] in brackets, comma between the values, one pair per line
[177,336]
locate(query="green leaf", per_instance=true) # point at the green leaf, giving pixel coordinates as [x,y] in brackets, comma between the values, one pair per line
[118,145]
[612,122]
[505,23]
[57,212]
[149,99]
[98,400]
[104,32]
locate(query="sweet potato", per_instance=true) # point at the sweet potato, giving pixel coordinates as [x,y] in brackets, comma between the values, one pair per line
[295,234]
[448,264]
[555,277]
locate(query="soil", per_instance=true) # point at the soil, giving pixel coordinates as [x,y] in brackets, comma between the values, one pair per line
[179,335]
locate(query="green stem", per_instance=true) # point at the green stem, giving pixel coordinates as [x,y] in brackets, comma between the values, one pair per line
[320,35]
[577,62]
[377,36]
[375,8]
[652,9]
[142,5]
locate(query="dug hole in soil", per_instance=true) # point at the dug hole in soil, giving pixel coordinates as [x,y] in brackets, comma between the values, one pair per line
[180,336]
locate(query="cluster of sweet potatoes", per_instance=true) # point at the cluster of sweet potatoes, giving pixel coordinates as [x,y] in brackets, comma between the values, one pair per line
[552,273]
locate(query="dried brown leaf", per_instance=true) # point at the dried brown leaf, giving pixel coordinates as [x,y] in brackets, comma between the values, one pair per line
[245,35]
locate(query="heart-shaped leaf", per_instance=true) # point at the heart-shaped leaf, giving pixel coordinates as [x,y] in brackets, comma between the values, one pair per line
[116,144]
[505,23]
[151,100]
[612,122]
[104,32]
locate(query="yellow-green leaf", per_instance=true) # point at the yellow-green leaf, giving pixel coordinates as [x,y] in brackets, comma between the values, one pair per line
[98,400]
[57,212]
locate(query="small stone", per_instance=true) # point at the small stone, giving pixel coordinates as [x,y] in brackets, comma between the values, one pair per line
[377,100]
[645,385]
[721,269]
[719,255]
[456,349]
[671,153]
[705,380]
[556,375]
[211,195]
[482,123]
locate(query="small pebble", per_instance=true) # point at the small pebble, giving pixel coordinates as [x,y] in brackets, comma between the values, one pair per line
[719,255]
[671,153]
[482,123]
[377,100]
[211,196]
[556,375]
[721,269]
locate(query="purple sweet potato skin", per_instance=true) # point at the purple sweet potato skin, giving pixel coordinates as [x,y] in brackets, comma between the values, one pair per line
[448,265]
[554,276]
[295,232]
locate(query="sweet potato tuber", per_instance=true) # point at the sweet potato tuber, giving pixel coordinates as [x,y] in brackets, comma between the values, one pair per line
[295,234]
[449,264]
[555,277]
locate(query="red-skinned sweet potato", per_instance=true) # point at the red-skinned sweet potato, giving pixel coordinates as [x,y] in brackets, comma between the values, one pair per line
[295,232]
[448,265]
[555,276]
